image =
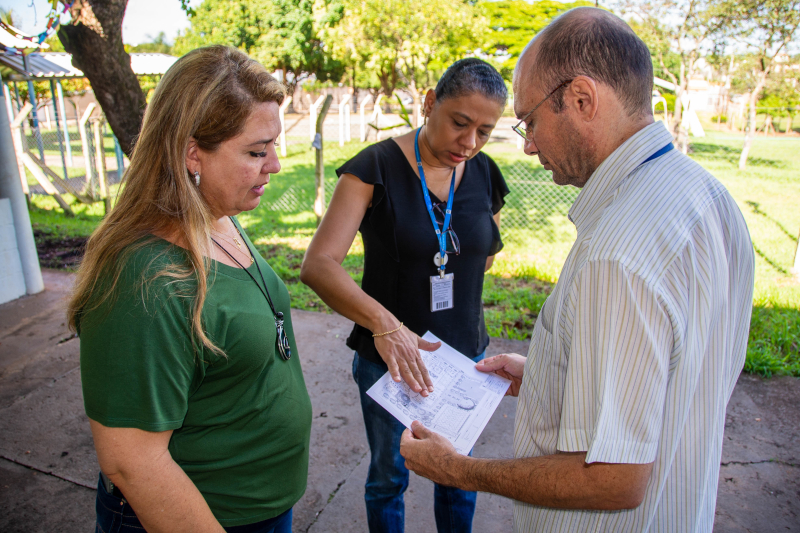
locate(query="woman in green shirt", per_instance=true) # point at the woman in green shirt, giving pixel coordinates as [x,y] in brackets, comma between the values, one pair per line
[191,380]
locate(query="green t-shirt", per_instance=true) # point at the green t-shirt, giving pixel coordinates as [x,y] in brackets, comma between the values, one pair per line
[241,425]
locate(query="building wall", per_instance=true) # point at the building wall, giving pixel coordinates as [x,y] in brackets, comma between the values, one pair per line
[12,281]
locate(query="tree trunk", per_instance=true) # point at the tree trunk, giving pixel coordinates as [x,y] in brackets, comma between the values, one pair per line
[412,88]
[751,120]
[388,83]
[94,38]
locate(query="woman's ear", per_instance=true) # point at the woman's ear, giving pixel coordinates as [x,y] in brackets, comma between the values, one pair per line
[430,101]
[193,156]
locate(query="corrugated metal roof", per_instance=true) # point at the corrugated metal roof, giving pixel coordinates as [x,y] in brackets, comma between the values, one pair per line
[46,65]
[144,64]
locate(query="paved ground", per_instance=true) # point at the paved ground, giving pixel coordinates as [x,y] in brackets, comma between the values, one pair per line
[48,469]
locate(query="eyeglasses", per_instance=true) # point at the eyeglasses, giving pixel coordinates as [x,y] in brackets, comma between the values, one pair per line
[453,246]
[521,129]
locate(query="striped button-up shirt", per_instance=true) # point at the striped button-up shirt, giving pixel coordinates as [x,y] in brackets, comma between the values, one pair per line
[637,350]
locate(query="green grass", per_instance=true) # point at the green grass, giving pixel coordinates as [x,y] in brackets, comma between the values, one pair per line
[523,274]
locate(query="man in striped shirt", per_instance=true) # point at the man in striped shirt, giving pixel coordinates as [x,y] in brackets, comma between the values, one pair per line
[635,354]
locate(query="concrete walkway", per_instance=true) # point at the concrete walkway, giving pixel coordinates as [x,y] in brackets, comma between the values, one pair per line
[48,469]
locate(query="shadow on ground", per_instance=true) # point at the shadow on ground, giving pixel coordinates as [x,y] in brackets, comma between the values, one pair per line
[731,155]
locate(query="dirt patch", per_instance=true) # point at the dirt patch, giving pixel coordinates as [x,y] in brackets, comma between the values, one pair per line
[57,251]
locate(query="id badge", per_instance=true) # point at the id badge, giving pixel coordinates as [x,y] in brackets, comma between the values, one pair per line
[441,293]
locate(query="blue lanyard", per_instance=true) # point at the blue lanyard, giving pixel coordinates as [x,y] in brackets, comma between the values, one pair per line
[439,233]
[661,152]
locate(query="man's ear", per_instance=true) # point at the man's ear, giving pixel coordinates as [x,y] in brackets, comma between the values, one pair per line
[582,96]
[193,156]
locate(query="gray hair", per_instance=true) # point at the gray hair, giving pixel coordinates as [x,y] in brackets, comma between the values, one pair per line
[592,42]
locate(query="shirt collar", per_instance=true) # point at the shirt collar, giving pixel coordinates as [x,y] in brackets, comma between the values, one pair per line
[615,168]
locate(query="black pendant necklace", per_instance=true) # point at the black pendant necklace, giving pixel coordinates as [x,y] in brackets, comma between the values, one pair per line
[284,348]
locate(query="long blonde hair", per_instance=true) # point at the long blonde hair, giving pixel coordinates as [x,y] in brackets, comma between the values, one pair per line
[207,95]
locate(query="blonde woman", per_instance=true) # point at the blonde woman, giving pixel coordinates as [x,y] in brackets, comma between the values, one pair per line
[191,380]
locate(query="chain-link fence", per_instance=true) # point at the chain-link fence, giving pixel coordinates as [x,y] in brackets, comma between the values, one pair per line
[82,158]
[535,203]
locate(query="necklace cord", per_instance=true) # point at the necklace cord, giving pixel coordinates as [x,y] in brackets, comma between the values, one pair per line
[284,348]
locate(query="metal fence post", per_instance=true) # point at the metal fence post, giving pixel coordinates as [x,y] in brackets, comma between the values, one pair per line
[64,121]
[58,129]
[120,159]
[319,174]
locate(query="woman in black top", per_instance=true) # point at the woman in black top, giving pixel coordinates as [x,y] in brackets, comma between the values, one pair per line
[380,193]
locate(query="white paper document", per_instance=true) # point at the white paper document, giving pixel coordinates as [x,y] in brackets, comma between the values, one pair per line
[462,401]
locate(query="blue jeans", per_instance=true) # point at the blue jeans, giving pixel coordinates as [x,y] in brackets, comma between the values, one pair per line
[387,479]
[115,515]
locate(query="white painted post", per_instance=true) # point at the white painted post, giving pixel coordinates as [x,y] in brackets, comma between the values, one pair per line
[796,268]
[60,91]
[281,114]
[9,188]
[47,117]
[376,116]
[87,157]
[8,101]
[342,106]
[312,130]
[16,138]
[348,112]
[364,102]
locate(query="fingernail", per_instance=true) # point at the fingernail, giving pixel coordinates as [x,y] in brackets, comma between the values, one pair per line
[430,389]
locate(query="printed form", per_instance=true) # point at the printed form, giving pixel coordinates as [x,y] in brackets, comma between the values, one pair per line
[462,401]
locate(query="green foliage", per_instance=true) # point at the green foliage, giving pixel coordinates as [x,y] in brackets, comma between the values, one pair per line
[157,45]
[282,34]
[774,338]
[666,62]
[400,43]
[670,98]
[292,42]
[513,23]
[237,23]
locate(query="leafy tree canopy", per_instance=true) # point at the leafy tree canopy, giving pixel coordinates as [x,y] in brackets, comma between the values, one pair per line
[402,43]
[281,34]
[157,45]
[512,24]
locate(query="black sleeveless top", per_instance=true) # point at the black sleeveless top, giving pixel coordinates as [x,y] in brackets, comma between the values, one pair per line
[399,245]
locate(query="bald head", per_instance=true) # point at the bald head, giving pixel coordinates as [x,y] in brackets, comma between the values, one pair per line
[587,41]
